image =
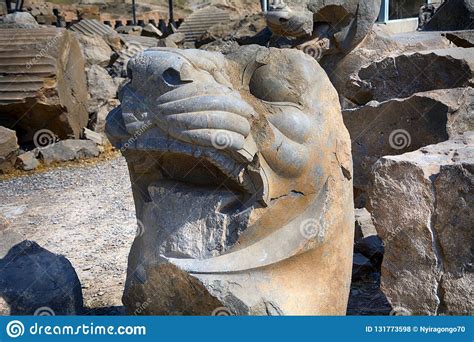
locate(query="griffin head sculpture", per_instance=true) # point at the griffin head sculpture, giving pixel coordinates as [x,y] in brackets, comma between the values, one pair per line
[241,173]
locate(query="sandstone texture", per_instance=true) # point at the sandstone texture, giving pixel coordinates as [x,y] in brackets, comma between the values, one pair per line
[421,204]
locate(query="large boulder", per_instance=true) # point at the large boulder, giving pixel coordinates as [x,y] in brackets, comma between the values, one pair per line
[43,84]
[452,15]
[19,20]
[402,125]
[379,44]
[101,86]
[35,281]
[66,150]
[422,208]
[402,75]
[95,50]
[8,149]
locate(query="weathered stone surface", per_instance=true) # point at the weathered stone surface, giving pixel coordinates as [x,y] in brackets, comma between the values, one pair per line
[101,87]
[101,115]
[402,125]
[93,136]
[452,15]
[403,75]
[35,281]
[151,31]
[19,19]
[95,50]
[324,27]
[46,87]
[243,31]
[27,161]
[379,44]
[68,150]
[8,149]
[422,208]
[254,163]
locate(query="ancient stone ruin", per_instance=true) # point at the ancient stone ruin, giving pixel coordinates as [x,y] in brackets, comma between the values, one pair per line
[242,180]
[300,157]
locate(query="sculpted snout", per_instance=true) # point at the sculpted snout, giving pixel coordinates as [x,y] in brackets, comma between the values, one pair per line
[193,105]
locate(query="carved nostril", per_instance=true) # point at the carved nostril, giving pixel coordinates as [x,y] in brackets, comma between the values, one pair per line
[173,77]
[283,20]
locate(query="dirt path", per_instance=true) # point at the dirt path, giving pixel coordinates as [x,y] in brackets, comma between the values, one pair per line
[85,213]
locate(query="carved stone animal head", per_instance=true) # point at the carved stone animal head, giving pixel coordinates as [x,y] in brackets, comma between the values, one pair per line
[229,157]
[343,23]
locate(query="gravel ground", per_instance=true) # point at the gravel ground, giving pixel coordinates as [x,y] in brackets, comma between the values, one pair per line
[85,213]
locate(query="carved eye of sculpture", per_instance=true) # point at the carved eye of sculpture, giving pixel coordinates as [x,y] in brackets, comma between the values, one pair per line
[173,77]
[267,84]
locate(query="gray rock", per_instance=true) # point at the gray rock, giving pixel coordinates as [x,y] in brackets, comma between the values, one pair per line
[402,125]
[378,45]
[151,31]
[35,281]
[98,138]
[452,15]
[101,87]
[19,19]
[422,208]
[95,50]
[27,161]
[402,75]
[101,115]
[8,149]
[66,150]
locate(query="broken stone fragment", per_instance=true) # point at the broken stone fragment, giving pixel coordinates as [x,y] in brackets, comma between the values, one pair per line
[66,150]
[402,125]
[95,50]
[422,209]
[8,149]
[46,87]
[27,161]
[35,281]
[402,75]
